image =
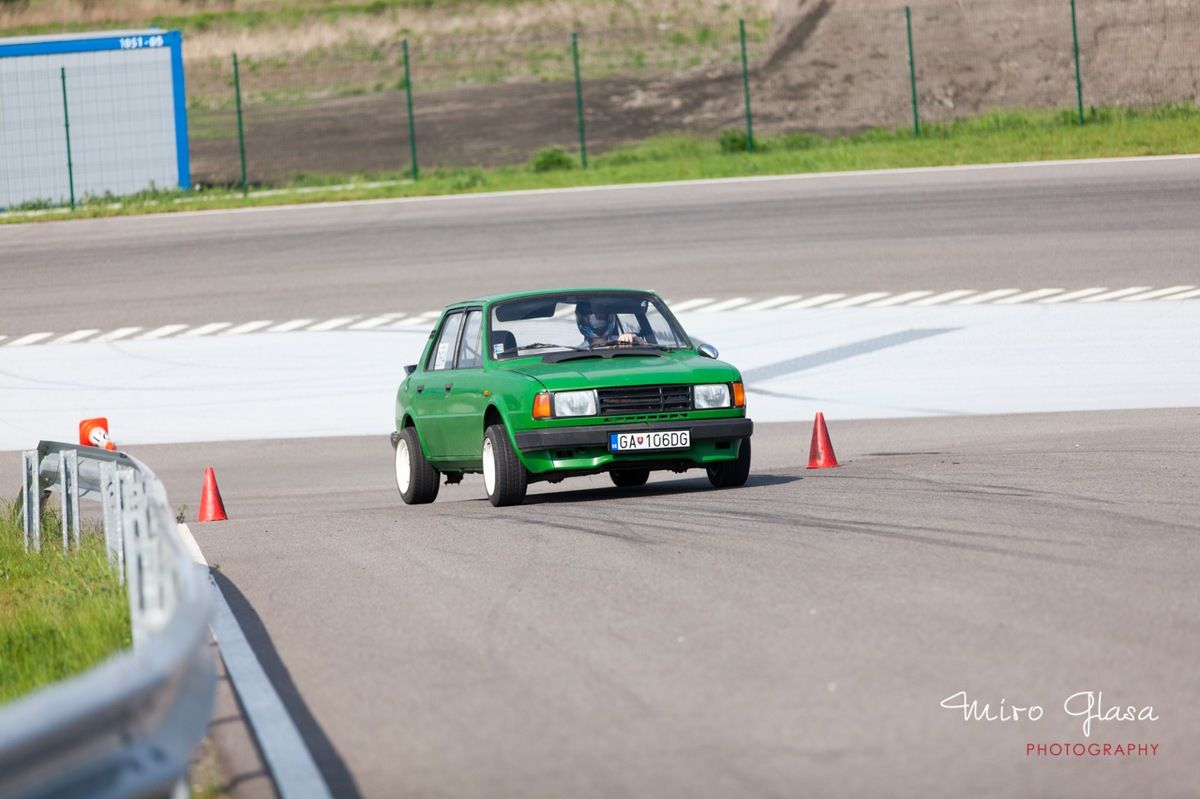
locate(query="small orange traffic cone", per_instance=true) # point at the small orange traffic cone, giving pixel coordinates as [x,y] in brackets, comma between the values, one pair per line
[820,454]
[212,509]
[94,433]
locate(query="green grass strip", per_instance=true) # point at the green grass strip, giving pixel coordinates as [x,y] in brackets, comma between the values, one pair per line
[997,137]
[60,613]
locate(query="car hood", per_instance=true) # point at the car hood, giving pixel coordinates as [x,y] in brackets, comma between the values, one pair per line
[628,370]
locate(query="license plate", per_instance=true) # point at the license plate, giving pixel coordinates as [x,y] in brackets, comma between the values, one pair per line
[665,439]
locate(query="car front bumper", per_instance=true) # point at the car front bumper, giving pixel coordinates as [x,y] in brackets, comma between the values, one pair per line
[597,435]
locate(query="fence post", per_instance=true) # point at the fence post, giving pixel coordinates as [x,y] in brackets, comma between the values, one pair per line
[31,496]
[1078,78]
[579,100]
[68,489]
[237,92]
[912,72]
[62,71]
[412,128]
[746,87]
[110,501]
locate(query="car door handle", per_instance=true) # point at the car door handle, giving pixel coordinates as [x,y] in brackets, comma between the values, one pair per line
[420,388]
[449,386]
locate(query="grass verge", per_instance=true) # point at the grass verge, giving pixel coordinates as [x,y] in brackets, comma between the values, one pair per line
[300,50]
[60,613]
[997,137]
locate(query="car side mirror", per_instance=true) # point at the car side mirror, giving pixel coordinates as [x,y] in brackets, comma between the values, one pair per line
[707,350]
[408,370]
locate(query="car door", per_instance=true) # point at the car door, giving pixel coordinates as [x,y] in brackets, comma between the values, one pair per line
[466,402]
[432,386]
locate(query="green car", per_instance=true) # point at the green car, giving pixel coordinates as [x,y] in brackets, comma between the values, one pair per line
[553,384]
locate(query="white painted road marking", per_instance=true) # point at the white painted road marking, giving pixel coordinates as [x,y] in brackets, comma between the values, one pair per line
[205,330]
[401,321]
[78,335]
[404,321]
[32,338]
[120,332]
[161,332]
[773,302]
[287,327]
[1153,295]
[691,304]
[1115,295]
[248,327]
[724,305]
[376,321]
[945,296]
[899,299]
[330,324]
[1028,296]
[1071,296]
[812,302]
[1185,296]
[987,296]
[860,299]
[1053,358]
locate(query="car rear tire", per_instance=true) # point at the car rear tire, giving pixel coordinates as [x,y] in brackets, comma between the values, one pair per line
[731,474]
[416,479]
[630,478]
[504,477]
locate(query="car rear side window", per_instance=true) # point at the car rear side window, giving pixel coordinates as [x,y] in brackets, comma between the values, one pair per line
[470,354]
[442,356]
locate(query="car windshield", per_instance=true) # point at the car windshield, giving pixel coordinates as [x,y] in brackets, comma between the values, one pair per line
[583,322]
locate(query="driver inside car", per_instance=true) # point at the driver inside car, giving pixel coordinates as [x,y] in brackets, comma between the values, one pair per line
[600,329]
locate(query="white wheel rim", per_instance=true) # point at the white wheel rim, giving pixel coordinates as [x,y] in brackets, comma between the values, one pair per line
[403,467]
[489,467]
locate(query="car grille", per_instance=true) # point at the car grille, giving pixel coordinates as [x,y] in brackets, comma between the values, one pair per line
[644,399]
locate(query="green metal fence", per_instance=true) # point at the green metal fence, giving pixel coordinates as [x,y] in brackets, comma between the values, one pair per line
[473,101]
[353,109]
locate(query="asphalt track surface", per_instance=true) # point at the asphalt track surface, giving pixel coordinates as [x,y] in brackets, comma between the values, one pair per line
[1071,226]
[791,638]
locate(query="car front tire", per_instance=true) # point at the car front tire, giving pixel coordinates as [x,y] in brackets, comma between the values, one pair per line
[630,478]
[416,479]
[504,477]
[731,474]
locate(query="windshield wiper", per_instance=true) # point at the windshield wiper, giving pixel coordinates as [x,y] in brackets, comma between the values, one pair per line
[541,345]
[603,352]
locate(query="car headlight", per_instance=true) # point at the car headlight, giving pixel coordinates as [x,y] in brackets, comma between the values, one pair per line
[711,395]
[575,403]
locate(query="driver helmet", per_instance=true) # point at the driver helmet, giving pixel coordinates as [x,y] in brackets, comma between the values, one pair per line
[594,323]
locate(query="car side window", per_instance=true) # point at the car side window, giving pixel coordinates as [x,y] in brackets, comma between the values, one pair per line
[470,354]
[442,356]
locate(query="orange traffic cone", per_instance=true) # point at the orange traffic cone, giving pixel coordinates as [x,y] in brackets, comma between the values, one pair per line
[820,454]
[212,509]
[94,433]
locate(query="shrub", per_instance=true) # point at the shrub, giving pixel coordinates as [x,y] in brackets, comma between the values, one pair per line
[551,159]
[734,141]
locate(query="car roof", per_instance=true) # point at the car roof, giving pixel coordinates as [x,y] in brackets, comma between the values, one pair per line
[492,299]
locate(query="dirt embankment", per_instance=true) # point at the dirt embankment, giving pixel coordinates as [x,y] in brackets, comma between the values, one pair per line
[832,66]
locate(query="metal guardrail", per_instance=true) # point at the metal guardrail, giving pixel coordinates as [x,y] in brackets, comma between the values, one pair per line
[127,727]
